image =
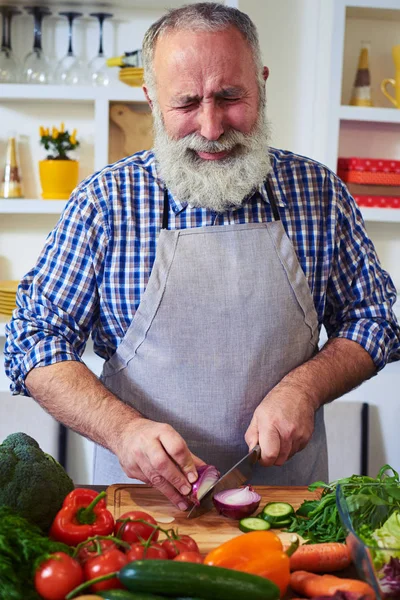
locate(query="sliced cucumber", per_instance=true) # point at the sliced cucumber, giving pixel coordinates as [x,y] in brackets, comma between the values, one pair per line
[276,512]
[281,524]
[253,524]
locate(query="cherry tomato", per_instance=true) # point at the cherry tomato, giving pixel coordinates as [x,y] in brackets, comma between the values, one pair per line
[174,547]
[139,551]
[134,532]
[89,550]
[189,556]
[110,561]
[57,576]
[190,543]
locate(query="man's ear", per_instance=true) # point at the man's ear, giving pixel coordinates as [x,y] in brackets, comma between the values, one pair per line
[149,101]
[265,73]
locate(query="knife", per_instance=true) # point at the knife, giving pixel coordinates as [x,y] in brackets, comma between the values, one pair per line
[232,479]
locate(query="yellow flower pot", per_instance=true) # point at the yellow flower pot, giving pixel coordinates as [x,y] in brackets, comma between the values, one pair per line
[58,178]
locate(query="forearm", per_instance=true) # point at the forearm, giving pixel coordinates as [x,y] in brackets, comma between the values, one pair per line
[76,397]
[339,367]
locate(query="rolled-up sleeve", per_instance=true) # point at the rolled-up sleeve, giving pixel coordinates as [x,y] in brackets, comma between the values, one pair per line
[360,294]
[57,301]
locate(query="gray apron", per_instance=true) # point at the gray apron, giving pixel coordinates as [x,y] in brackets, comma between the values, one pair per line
[226,314]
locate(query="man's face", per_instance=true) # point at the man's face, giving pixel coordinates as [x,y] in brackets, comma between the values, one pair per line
[210,130]
[206,84]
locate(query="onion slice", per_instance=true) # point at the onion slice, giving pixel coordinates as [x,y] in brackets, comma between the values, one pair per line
[207,476]
[237,503]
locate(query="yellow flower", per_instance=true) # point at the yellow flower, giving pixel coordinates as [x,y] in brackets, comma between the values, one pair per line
[74,133]
[41,131]
[62,128]
[46,131]
[72,139]
[54,133]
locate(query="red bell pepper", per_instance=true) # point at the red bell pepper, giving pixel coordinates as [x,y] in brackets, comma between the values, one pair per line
[83,515]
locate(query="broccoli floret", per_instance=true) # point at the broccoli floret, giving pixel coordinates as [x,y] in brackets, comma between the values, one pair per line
[32,482]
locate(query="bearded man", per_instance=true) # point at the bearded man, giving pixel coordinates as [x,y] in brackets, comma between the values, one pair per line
[204,271]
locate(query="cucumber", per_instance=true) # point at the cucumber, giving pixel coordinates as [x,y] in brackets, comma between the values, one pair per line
[191,579]
[253,524]
[276,512]
[126,595]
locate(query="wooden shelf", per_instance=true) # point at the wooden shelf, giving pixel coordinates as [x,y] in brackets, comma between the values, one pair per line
[31,207]
[370,114]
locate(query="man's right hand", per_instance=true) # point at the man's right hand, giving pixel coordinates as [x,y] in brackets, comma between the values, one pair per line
[156,454]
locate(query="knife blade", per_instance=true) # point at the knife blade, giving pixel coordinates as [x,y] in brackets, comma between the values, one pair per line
[232,479]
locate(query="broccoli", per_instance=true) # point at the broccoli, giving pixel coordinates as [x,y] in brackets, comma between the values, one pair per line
[32,482]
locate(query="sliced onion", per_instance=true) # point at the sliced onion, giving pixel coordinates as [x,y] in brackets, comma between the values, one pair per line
[237,503]
[207,476]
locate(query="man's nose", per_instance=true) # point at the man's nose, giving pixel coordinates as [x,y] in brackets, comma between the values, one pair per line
[211,122]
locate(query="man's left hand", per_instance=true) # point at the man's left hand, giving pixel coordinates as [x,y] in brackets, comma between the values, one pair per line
[282,424]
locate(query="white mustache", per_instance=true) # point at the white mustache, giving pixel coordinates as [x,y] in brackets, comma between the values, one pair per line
[228,141]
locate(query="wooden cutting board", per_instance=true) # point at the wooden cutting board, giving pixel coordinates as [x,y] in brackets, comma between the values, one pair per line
[211,529]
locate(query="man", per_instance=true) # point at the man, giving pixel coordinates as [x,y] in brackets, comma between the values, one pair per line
[204,272]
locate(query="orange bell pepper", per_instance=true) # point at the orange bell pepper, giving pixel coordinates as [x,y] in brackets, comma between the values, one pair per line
[258,552]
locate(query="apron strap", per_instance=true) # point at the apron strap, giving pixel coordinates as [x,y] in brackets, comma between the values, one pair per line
[165,210]
[272,201]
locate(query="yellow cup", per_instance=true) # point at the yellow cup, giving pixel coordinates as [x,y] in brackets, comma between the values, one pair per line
[394,82]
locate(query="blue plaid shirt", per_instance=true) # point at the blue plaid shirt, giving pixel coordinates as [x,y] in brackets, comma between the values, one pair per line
[96,263]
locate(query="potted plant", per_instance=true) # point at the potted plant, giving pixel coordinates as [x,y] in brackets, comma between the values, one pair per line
[58,172]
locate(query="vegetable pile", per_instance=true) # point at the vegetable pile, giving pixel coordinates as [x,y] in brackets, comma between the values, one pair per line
[319,520]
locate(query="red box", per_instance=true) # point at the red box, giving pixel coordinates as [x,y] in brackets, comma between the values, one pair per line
[375,171]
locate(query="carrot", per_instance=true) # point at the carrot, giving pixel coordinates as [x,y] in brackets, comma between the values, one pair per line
[312,585]
[320,558]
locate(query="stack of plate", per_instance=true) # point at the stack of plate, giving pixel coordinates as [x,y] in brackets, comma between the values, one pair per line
[8,290]
[131,76]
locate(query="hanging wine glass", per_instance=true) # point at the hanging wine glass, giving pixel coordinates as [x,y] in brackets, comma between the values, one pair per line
[9,67]
[36,67]
[98,70]
[71,70]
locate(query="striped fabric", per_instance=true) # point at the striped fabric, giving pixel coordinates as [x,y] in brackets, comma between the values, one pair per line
[96,263]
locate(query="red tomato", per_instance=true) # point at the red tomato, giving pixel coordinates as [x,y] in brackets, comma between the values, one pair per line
[132,531]
[174,547]
[89,550]
[110,561]
[57,576]
[139,551]
[190,543]
[189,556]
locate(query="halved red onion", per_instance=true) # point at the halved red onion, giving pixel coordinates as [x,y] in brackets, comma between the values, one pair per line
[208,475]
[237,503]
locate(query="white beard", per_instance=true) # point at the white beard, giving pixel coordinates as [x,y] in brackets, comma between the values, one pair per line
[216,185]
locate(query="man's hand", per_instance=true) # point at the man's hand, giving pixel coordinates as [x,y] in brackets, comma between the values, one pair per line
[282,424]
[156,454]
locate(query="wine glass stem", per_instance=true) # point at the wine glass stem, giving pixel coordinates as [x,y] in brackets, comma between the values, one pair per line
[70,21]
[101,21]
[5,37]
[37,40]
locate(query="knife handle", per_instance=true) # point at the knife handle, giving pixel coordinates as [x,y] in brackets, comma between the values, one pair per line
[257,450]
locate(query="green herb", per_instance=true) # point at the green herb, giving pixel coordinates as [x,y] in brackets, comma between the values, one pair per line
[319,520]
[22,547]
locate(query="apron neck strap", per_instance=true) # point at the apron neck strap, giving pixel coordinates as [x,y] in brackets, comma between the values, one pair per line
[272,201]
[270,195]
[165,210]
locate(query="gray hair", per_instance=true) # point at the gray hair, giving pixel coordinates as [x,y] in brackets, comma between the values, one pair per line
[204,16]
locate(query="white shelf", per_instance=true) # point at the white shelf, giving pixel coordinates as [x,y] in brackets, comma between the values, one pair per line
[369,114]
[381,215]
[32,207]
[50,93]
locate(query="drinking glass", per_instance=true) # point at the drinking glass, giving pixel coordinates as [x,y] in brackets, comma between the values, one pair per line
[9,68]
[70,70]
[98,70]
[36,67]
